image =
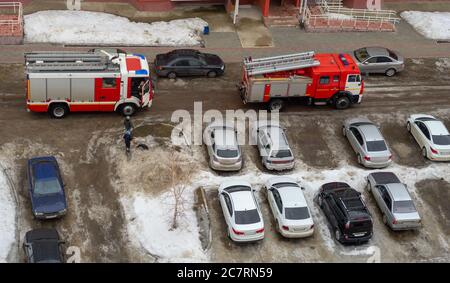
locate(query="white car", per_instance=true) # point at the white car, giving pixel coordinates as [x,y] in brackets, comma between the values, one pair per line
[289,208]
[241,211]
[431,135]
[273,146]
[223,147]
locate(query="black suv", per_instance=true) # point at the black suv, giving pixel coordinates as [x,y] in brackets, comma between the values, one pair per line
[188,62]
[43,246]
[346,212]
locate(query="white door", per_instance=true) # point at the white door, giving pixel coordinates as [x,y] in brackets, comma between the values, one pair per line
[353,84]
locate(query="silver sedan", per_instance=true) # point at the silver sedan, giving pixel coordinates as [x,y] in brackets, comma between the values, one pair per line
[379,60]
[394,201]
[368,143]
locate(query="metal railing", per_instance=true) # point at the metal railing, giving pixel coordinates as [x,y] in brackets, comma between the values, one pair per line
[351,18]
[15,10]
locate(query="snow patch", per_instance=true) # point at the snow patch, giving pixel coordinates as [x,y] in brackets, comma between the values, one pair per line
[434,25]
[151,227]
[8,215]
[443,64]
[337,16]
[90,28]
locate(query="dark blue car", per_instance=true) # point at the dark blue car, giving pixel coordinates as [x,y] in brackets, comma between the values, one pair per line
[48,199]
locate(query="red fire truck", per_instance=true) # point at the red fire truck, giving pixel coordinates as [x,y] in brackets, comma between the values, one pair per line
[97,80]
[321,79]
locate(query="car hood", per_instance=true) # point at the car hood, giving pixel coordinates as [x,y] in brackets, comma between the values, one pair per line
[49,203]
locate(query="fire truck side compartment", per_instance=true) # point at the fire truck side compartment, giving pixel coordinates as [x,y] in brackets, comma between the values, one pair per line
[82,90]
[292,87]
[38,90]
[58,89]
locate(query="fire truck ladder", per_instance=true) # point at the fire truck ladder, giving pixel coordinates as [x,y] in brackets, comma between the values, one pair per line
[66,61]
[280,63]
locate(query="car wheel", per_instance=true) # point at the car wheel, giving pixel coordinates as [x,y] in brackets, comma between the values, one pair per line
[212,74]
[368,186]
[172,75]
[228,233]
[276,105]
[408,127]
[337,235]
[344,132]
[128,109]
[59,110]
[384,219]
[342,103]
[424,152]
[390,72]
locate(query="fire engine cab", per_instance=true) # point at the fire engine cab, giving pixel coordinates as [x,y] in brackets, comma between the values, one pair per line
[97,80]
[321,79]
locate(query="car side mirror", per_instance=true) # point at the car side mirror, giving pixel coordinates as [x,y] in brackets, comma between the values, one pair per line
[365,63]
[303,188]
[212,135]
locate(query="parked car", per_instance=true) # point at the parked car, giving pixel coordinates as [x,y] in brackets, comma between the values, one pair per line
[289,207]
[394,201]
[46,188]
[379,60]
[188,62]
[223,148]
[273,146]
[431,135]
[43,246]
[346,212]
[367,142]
[241,211]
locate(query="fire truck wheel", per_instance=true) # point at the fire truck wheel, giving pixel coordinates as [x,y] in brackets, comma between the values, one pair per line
[390,72]
[128,109]
[276,105]
[58,110]
[172,75]
[342,102]
[212,74]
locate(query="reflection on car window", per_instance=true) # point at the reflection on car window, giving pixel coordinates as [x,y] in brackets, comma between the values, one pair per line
[404,206]
[227,153]
[47,186]
[296,213]
[441,140]
[376,146]
[361,54]
[247,217]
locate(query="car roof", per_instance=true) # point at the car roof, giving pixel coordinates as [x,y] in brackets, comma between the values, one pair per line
[398,192]
[370,132]
[243,200]
[44,168]
[224,136]
[436,127]
[277,136]
[377,51]
[292,197]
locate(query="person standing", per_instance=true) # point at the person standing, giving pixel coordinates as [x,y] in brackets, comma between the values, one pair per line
[128,124]
[127,138]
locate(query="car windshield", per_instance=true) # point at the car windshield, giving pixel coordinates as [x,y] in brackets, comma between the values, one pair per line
[281,153]
[296,213]
[361,54]
[392,55]
[441,139]
[47,186]
[247,217]
[404,206]
[376,146]
[227,153]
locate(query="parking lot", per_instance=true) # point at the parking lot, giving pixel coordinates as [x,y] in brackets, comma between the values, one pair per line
[101,180]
